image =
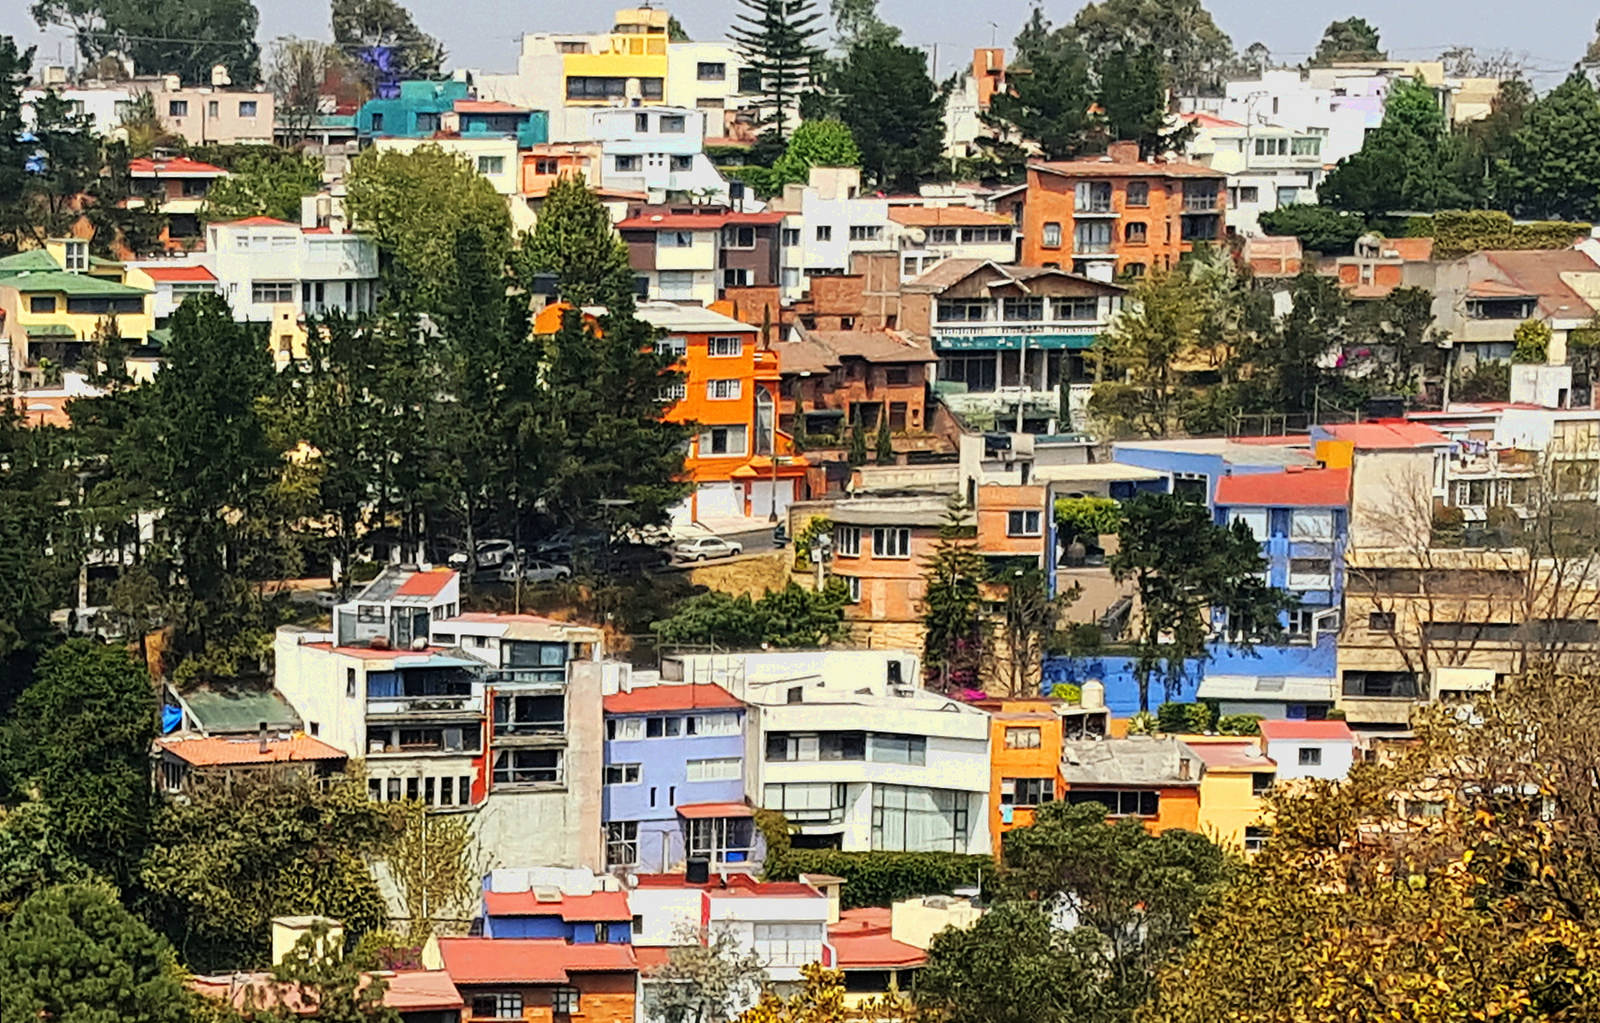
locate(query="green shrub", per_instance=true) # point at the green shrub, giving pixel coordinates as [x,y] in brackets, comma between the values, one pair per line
[1459,232]
[1142,723]
[1067,691]
[1090,517]
[1239,724]
[1185,718]
[1532,339]
[870,878]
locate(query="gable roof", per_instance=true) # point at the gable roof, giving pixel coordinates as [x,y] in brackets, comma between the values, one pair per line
[692,696]
[529,960]
[1293,488]
[1326,730]
[192,272]
[178,166]
[1102,166]
[1540,273]
[404,991]
[949,272]
[818,351]
[426,584]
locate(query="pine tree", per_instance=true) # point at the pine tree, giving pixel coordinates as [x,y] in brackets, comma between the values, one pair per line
[574,241]
[953,642]
[778,41]
[883,444]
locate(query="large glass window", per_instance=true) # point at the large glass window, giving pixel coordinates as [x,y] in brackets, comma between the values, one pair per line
[810,803]
[1030,308]
[977,372]
[527,767]
[497,1005]
[788,944]
[907,819]
[898,749]
[622,844]
[800,746]
[1091,236]
[535,712]
[1026,791]
[963,310]
[718,769]
[1022,738]
[1119,803]
[720,839]
[891,542]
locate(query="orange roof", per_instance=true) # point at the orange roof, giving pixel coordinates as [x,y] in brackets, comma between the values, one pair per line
[703,811]
[1244,753]
[44,409]
[1293,488]
[1388,436]
[599,906]
[1412,250]
[862,940]
[216,751]
[404,991]
[426,584]
[695,221]
[650,699]
[1211,120]
[257,222]
[529,960]
[946,216]
[652,957]
[179,273]
[1307,730]
[486,106]
[1104,166]
[733,884]
[181,165]
[415,990]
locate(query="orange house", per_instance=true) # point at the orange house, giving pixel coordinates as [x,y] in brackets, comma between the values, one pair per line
[1012,521]
[1024,759]
[1154,778]
[543,165]
[540,980]
[730,392]
[177,188]
[1117,214]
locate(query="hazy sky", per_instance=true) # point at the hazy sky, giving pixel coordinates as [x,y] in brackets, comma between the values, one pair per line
[483,33]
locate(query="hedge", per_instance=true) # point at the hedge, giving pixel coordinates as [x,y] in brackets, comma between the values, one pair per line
[1459,232]
[870,878]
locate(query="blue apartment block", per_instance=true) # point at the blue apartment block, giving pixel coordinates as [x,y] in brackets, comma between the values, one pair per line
[1196,465]
[424,109]
[674,780]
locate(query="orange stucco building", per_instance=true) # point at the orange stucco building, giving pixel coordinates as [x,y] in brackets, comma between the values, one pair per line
[1116,214]
[540,980]
[1025,743]
[1155,778]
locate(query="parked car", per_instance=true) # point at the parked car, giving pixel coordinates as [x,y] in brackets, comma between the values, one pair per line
[780,535]
[703,547]
[535,571]
[327,600]
[489,554]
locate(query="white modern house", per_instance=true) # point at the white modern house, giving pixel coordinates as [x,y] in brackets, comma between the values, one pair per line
[1309,749]
[659,150]
[784,923]
[262,263]
[1268,165]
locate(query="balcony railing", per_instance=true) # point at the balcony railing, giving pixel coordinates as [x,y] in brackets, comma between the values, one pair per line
[1200,203]
[1094,206]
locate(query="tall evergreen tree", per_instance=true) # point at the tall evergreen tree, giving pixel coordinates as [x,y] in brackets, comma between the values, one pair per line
[34,473]
[1352,39]
[954,637]
[895,112]
[778,41]
[380,37]
[1189,46]
[1047,100]
[1133,101]
[183,39]
[1552,166]
[574,242]
[1408,163]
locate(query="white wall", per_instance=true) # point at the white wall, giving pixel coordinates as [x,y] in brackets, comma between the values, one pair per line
[1337,756]
[315,683]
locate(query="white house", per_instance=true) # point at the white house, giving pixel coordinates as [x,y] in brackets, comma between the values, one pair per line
[1309,749]
[659,150]
[784,923]
[1268,165]
[262,263]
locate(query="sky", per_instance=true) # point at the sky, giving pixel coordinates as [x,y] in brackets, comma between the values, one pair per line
[483,34]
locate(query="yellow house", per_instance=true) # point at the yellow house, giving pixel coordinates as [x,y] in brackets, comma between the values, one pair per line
[635,49]
[54,302]
[1237,774]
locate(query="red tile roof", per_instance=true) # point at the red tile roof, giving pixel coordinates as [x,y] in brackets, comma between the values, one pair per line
[1211,120]
[1100,166]
[179,273]
[426,584]
[862,941]
[946,216]
[1294,488]
[416,990]
[649,699]
[1388,435]
[701,811]
[179,165]
[1244,753]
[216,751]
[1336,730]
[602,906]
[735,884]
[529,960]
[652,957]
[695,221]
[256,222]
[404,991]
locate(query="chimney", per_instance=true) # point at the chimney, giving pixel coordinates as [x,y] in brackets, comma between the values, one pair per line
[1183,769]
[1123,152]
[261,737]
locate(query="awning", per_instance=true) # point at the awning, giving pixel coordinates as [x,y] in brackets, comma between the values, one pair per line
[1010,342]
[701,811]
[1269,688]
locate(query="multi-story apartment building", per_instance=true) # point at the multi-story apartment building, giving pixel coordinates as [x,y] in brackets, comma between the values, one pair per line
[835,379]
[1268,166]
[857,761]
[1153,778]
[699,253]
[675,787]
[1117,214]
[1009,338]
[928,235]
[659,151]
[448,111]
[635,64]
[212,115]
[54,303]
[177,188]
[1479,300]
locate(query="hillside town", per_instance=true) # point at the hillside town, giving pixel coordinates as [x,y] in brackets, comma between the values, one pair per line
[763,529]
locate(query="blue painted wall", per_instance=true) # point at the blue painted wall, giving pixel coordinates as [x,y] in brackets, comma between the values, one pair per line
[1211,466]
[664,785]
[1122,687]
[576,932]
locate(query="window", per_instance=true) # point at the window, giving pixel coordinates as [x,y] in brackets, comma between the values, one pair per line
[1026,791]
[1288,196]
[792,747]
[907,819]
[1022,523]
[41,303]
[1051,238]
[675,284]
[720,769]
[499,1005]
[597,87]
[1136,233]
[491,165]
[676,391]
[1260,782]
[1255,839]
[268,292]
[625,729]
[891,542]
[1310,574]
[1272,147]
[1249,193]
[674,239]
[897,749]
[1030,308]
[722,390]
[1091,236]
[1381,684]
[672,124]
[1138,193]
[789,236]
[788,944]
[735,277]
[564,1001]
[377,122]
[847,541]
[809,803]
[527,767]
[723,440]
[674,346]
[853,585]
[427,122]
[177,108]
[711,724]
[529,713]
[737,237]
[622,774]
[824,233]
[247,108]
[1022,738]
[627,164]
[976,372]
[547,166]
[749,79]
[1075,308]
[708,71]
[1134,270]
[963,310]
[1093,197]
[1119,803]
[721,347]
[1380,621]
[1255,520]
[76,256]
[1310,756]
[865,233]
[622,844]
[656,728]
[1313,526]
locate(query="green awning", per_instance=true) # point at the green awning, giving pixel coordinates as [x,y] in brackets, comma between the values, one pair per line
[52,332]
[1010,342]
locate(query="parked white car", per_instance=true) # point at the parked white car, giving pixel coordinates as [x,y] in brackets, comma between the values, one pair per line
[489,554]
[703,547]
[535,572]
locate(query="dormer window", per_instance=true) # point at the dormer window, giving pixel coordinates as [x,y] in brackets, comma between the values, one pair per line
[77,256]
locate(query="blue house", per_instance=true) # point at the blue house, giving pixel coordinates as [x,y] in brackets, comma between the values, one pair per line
[674,779]
[426,109]
[536,912]
[1301,517]
[1196,464]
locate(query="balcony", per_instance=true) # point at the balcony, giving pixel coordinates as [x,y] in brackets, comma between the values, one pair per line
[1204,203]
[438,692]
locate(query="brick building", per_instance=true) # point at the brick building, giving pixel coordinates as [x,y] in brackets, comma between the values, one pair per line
[1116,214]
[833,379]
[540,980]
